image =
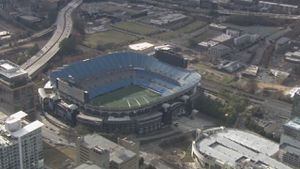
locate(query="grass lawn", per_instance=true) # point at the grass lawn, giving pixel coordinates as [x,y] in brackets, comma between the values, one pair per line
[137,28]
[214,75]
[167,35]
[192,27]
[61,155]
[109,38]
[207,35]
[127,97]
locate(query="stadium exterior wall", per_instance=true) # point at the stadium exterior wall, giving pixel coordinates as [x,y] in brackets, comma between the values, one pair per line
[137,120]
[176,86]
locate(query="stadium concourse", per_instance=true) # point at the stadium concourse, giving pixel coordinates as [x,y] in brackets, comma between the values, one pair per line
[120,92]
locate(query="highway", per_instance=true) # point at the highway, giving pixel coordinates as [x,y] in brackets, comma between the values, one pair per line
[64,25]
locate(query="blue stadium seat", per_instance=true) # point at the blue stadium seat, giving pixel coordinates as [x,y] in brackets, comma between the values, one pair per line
[107,73]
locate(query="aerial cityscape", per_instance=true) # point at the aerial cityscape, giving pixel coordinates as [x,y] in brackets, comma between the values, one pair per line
[149,84]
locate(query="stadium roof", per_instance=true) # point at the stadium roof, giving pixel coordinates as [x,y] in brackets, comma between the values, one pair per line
[231,145]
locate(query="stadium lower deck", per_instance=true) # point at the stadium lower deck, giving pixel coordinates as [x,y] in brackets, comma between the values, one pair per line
[131,96]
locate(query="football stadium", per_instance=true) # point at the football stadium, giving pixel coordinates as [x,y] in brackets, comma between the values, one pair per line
[125,92]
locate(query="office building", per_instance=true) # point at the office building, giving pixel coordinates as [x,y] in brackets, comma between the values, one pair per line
[16,89]
[219,51]
[105,153]
[290,143]
[296,105]
[20,143]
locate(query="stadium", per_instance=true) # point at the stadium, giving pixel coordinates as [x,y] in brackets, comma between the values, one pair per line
[126,92]
[229,148]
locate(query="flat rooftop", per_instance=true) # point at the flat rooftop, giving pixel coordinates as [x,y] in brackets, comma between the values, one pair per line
[141,46]
[10,129]
[221,38]
[88,166]
[294,124]
[10,70]
[231,145]
[118,154]
[251,70]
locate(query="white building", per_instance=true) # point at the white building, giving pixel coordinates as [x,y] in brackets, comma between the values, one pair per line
[205,45]
[21,143]
[221,38]
[224,148]
[233,33]
[293,56]
[143,47]
[290,143]
[217,27]
[168,19]
[245,39]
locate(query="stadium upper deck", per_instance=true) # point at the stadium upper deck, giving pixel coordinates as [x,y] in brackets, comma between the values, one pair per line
[106,74]
[122,92]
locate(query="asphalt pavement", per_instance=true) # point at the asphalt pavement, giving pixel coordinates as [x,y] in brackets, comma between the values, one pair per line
[64,25]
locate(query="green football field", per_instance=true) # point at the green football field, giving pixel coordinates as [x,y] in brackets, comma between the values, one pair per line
[127,97]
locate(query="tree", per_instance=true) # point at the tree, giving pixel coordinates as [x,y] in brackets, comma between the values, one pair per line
[226,112]
[297,70]
[68,45]
[251,86]
[33,50]
[141,161]
[192,43]
[79,25]
[150,166]
[52,15]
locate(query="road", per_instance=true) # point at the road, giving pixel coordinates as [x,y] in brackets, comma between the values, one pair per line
[247,13]
[64,25]
[32,37]
[54,135]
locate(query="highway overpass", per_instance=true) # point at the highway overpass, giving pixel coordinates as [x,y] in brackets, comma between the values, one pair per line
[64,25]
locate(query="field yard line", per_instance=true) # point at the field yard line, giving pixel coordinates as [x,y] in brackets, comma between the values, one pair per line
[137,102]
[146,100]
[128,103]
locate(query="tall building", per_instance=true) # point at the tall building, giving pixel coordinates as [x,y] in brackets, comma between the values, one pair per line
[105,153]
[20,143]
[296,105]
[16,89]
[290,143]
[290,138]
